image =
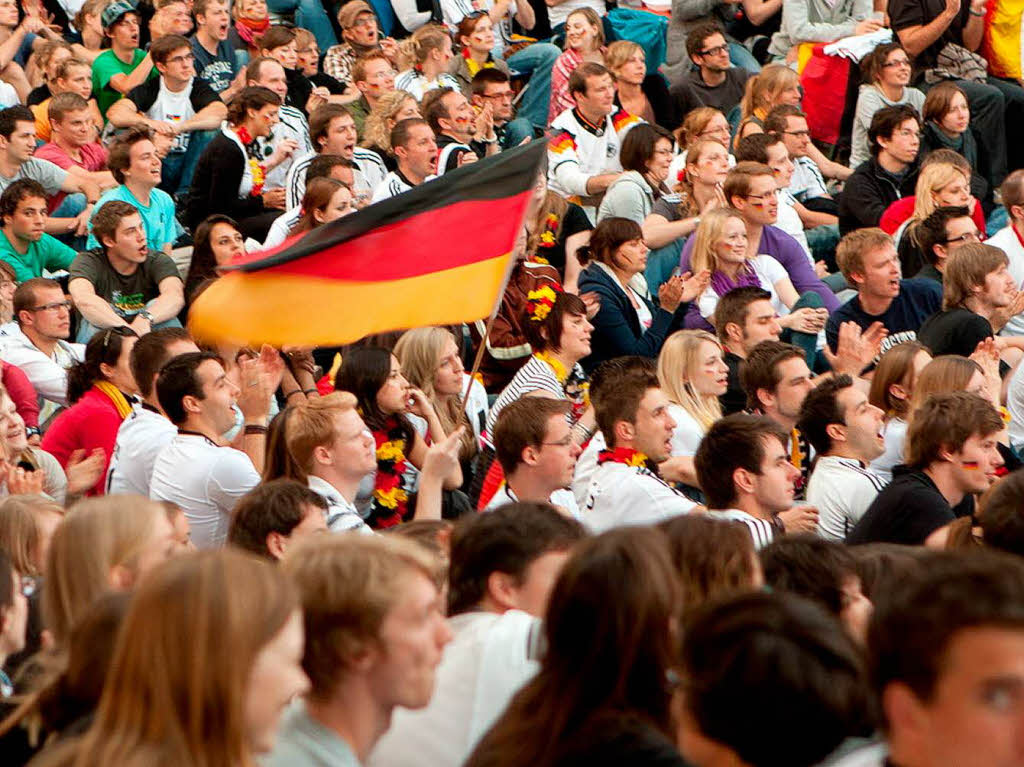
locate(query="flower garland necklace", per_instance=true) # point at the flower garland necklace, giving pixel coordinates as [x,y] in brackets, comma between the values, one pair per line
[624,455]
[256,168]
[574,384]
[548,238]
[390,500]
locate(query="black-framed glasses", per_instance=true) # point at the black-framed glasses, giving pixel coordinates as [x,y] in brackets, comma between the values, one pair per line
[772,195]
[799,133]
[716,50]
[185,58]
[55,306]
[965,237]
[120,330]
[476,14]
[896,63]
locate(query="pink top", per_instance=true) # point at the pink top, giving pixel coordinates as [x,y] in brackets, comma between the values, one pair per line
[560,97]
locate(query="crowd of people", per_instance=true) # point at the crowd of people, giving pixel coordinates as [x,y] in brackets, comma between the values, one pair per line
[728,479]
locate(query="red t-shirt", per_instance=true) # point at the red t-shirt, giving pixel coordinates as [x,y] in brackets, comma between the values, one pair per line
[903,209]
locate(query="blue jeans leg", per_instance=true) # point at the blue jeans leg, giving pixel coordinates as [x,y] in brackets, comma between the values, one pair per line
[535,61]
[87,330]
[309,14]
[178,167]
[741,57]
[808,342]
[516,131]
[70,207]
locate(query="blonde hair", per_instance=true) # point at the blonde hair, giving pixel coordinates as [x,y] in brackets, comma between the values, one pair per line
[684,187]
[178,682]
[311,424]
[934,177]
[945,374]
[680,356]
[376,131]
[553,203]
[419,351]
[593,19]
[97,535]
[696,122]
[619,53]
[418,46]
[710,232]
[347,586]
[966,269]
[20,535]
[763,89]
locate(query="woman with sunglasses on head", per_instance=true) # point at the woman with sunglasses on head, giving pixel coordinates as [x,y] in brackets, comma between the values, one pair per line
[100,392]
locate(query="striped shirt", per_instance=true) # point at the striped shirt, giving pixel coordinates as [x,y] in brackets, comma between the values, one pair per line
[760,530]
[292,124]
[418,85]
[368,175]
[841,489]
[535,375]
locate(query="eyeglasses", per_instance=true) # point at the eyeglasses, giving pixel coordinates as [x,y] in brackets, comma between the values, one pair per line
[185,58]
[567,442]
[365,22]
[120,330]
[503,96]
[55,306]
[896,63]
[772,195]
[907,133]
[965,237]
[716,50]
[476,14]
[798,133]
[719,130]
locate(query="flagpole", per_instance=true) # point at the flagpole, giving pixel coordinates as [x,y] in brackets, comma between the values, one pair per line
[513,257]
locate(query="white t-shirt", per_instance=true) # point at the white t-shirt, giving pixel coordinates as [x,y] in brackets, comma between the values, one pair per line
[688,433]
[205,480]
[488,661]
[768,271]
[895,436]
[173,108]
[342,516]
[621,495]
[140,438]
[562,498]
[841,489]
[761,531]
[557,14]
[789,222]
[586,465]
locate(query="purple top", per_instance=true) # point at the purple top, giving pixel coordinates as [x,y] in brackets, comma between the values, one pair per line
[784,249]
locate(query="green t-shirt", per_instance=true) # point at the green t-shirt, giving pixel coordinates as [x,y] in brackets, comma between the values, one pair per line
[105,67]
[48,253]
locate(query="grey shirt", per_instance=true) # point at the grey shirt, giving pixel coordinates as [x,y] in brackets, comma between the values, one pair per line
[50,176]
[869,100]
[816,21]
[304,742]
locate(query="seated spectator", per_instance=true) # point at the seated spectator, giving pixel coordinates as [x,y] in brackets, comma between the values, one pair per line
[807,184]
[83,469]
[360,35]
[744,470]
[358,592]
[626,489]
[229,179]
[492,86]
[712,81]
[274,516]
[146,430]
[123,281]
[475,36]
[326,200]
[641,94]
[807,22]
[391,109]
[332,131]
[124,66]
[72,76]
[72,145]
[280,43]
[846,432]
[46,58]
[1000,518]
[946,124]
[628,321]
[535,447]
[17,141]
[429,51]
[100,389]
[976,290]
[1008,239]
[415,150]
[939,185]
[903,208]
[869,263]
[504,565]
[26,246]
[216,61]
[248,621]
[751,189]
[951,451]
[177,105]
[137,170]
[583,155]
[373,76]
[743,318]
[721,249]
[768,644]
[776,84]
[646,154]
[37,343]
[216,242]
[621,591]
[693,376]
[289,135]
[584,42]
[887,71]
[698,189]
[194,470]
[892,387]
[890,173]
[321,199]
[251,19]
[461,139]
[949,627]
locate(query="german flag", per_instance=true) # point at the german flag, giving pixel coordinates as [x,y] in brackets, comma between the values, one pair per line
[438,254]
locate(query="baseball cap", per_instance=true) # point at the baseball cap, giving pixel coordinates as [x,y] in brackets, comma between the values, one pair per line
[113,12]
[348,14]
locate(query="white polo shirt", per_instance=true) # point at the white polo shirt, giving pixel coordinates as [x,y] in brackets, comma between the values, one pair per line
[563,498]
[622,495]
[206,481]
[841,489]
[140,438]
[761,531]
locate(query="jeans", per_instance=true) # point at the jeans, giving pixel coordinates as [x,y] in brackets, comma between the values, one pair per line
[87,330]
[535,62]
[822,241]
[71,206]
[516,130]
[309,14]
[808,342]
[740,56]
[178,167]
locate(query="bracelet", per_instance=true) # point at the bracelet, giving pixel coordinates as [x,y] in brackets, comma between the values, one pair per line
[310,391]
[288,394]
[979,15]
[252,428]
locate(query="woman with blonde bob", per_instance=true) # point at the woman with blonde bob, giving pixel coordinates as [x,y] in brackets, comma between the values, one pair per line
[428,53]
[775,84]
[693,375]
[206,661]
[697,189]
[892,387]
[391,108]
[103,543]
[940,184]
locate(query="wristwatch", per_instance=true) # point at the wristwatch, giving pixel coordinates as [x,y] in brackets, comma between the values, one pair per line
[146,316]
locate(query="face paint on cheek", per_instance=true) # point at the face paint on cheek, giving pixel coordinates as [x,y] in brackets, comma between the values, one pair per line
[971,465]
